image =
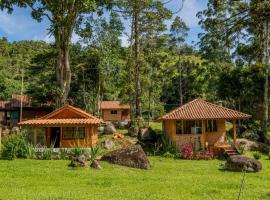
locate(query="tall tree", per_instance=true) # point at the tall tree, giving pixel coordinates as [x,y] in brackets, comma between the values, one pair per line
[145,16]
[178,32]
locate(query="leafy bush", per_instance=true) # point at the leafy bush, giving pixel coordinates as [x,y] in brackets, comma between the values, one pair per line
[63,154]
[47,153]
[257,155]
[16,146]
[188,152]
[93,153]
[77,151]
[241,149]
[166,145]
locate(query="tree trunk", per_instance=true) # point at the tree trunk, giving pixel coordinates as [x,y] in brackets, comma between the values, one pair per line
[266,63]
[63,70]
[180,82]
[63,74]
[138,111]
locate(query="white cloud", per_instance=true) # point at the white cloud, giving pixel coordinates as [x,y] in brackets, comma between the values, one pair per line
[10,24]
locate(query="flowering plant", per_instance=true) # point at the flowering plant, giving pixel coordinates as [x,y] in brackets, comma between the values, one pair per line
[187,152]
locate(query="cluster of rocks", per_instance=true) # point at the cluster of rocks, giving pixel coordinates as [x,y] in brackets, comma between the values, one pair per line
[251,145]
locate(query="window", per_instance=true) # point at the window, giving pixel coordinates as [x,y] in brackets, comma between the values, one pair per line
[179,127]
[113,112]
[73,132]
[211,126]
[189,127]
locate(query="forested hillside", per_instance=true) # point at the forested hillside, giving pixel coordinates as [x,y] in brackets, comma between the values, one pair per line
[158,70]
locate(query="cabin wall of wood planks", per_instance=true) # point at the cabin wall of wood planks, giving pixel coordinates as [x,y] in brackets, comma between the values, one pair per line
[90,139]
[169,128]
[121,115]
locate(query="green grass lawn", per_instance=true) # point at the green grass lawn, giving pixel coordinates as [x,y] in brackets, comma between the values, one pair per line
[168,179]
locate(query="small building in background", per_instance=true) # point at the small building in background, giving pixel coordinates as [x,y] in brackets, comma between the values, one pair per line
[202,124]
[115,111]
[65,127]
[10,110]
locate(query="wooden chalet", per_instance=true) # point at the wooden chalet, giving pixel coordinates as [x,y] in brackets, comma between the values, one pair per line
[10,111]
[115,111]
[201,123]
[64,128]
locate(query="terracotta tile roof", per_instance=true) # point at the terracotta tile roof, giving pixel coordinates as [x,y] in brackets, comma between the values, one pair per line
[82,118]
[49,122]
[4,104]
[16,100]
[113,105]
[72,108]
[200,109]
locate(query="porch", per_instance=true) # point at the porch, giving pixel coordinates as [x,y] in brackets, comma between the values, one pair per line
[63,136]
[208,134]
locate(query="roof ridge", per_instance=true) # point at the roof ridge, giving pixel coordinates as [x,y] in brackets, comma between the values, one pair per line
[202,109]
[223,107]
[179,108]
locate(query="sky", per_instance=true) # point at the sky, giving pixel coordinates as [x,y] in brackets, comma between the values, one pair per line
[20,26]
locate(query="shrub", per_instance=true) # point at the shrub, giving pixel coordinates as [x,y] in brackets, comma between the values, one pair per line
[187,152]
[241,149]
[77,151]
[93,153]
[63,154]
[257,155]
[166,145]
[16,146]
[47,153]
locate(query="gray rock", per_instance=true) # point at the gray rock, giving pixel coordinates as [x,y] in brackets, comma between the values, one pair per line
[109,128]
[131,156]
[100,129]
[78,161]
[133,131]
[15,130]
[241,163]
[95,164]
[250,134]
[146,134]
[108,144]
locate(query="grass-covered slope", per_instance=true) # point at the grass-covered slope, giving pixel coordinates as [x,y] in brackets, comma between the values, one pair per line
[168,179]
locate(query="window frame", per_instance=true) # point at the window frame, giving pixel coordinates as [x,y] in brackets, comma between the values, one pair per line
[113,112]
[81,134]
[211,126]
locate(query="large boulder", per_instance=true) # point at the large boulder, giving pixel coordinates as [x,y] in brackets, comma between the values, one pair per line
[253,145]
[239,163]
[248,144]
[131,156]
[147,134]
[109,128]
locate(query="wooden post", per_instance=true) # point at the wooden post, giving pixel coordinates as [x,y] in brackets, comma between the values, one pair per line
[203,133]
[0,137]
[35,136]
[61,135]
[173,130]
[234,132]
